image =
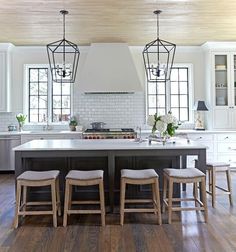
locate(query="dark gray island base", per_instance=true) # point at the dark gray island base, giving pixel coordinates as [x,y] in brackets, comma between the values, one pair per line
[108,155]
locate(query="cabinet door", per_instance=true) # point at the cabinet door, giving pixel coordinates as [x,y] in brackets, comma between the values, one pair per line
[221,118]
[3,83]
[221,79]
[233,93]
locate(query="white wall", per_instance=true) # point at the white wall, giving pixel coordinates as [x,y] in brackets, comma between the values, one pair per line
[116,110]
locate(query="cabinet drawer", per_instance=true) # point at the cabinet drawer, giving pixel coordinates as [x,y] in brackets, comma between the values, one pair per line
[201,137]
[226,147]
[227,158]
[226,137]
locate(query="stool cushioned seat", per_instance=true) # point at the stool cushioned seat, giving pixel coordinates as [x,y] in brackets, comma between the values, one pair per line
[184,173]
[139,174]
[85,175]
[218,164]
[38,175]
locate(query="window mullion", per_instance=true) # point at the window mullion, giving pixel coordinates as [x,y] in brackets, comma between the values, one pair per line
[50,98]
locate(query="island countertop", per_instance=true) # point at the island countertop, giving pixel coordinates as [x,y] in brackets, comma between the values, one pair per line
[105,144]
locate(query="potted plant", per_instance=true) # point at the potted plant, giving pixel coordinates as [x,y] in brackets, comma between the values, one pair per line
[21,120]
[73,123]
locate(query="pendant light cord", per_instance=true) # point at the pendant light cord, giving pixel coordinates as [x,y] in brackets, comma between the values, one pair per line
[158,49]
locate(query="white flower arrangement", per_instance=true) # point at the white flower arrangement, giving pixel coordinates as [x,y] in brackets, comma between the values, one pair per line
[165,124]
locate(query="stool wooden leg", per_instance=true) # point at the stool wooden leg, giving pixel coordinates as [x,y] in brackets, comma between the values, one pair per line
[58,197]
[195,193]
[70,197]
[204,199]
[210,180]
[229,186]
[158,202]
[122,200]
[154,198]
[54,203]
[164,193]
[102,202]
[18,199]
[66,204]
[24,198]
[170,195]
[213,179]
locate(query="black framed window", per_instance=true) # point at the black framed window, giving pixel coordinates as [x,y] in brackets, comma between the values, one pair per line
[173,96]
[48,101]
[38,94]
[61,101]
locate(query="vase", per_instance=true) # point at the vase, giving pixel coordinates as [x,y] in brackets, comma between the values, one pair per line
[164,139]
[20,126]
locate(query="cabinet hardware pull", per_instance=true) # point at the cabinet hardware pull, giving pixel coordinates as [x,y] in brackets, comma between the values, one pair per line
[229,148]
[226,137]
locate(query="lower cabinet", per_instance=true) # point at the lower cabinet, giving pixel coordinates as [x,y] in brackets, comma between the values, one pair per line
[206,139]
[226,148]
[221,147]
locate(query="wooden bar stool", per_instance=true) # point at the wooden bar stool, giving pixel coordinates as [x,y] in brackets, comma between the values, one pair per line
[212,169]
[140,177]
[188,175]
[84,178]
[37,179]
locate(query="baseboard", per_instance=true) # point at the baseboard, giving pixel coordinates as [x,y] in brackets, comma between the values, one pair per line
[7,172]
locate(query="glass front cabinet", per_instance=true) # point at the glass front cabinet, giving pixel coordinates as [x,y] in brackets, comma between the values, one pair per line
[224,90]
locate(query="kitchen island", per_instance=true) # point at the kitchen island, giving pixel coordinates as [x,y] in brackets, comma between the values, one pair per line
[108,155]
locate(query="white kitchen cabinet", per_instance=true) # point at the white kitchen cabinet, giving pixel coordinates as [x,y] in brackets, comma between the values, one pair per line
[226,147]
[5,76]
[3,86]
[224,110]
[204,139]
[221,85]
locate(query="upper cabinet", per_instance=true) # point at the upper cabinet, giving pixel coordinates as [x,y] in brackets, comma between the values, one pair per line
[3,84]
[5,76]
[221,85]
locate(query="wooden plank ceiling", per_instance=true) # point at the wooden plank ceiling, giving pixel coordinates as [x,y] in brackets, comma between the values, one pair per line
[184,22]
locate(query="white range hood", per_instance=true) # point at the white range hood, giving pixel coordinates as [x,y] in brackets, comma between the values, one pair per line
[109,68]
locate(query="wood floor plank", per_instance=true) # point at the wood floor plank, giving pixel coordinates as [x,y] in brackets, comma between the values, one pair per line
[140,232]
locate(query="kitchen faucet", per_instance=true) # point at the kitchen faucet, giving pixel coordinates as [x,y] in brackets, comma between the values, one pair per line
[47,126]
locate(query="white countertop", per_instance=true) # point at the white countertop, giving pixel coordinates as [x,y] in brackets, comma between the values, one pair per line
[43,132]
[144,132]
[104,144]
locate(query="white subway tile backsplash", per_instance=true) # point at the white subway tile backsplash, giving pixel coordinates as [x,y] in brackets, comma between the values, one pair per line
[116,110]
[7,119]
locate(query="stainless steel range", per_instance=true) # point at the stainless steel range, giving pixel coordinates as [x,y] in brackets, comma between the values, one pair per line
[126,133]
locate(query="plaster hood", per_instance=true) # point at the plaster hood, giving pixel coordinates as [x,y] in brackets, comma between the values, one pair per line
[109,68]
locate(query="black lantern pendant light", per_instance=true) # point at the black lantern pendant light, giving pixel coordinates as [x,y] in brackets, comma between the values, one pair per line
[158,57]
[63,57]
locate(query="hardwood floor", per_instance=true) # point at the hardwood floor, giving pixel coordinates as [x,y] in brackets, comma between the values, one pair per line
[140,232]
